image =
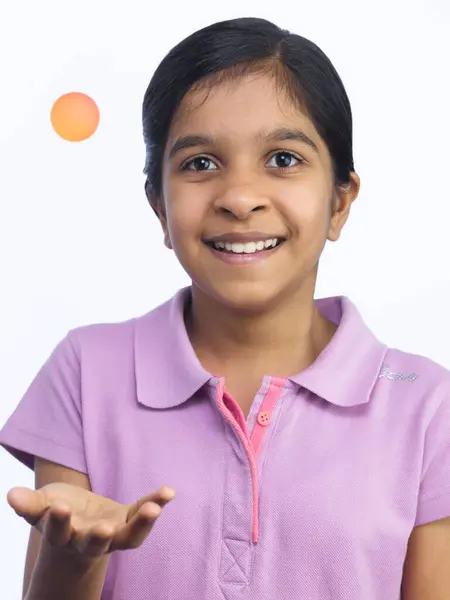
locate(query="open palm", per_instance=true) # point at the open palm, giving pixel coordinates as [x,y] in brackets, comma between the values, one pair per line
[77,520]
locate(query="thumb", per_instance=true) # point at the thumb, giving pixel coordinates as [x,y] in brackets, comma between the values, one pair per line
[29,504]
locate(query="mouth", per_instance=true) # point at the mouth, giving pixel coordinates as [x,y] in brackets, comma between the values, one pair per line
[245,247]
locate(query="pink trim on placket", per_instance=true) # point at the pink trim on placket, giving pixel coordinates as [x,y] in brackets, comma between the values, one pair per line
[270,400]
[237,418]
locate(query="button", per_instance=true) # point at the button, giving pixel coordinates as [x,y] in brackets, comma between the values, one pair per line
[264,418]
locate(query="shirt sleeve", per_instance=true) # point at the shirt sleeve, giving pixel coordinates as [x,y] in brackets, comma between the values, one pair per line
[47,423]
[434,492]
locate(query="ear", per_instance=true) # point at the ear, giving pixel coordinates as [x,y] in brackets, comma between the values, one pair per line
[343,199]
[158,206]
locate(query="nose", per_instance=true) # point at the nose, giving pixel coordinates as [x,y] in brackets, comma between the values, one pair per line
[239,201]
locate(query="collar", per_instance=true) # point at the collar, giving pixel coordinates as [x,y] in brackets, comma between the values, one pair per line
[346,371]
[168,371]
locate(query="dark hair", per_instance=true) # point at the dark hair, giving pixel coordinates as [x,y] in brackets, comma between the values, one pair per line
[237,47]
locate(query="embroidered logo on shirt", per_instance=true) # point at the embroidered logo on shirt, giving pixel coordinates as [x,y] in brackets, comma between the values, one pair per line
[386,373]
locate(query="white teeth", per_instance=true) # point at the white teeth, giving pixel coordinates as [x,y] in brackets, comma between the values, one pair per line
[246,248]
[250,248]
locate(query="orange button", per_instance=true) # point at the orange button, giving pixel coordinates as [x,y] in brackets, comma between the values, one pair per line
[264,418]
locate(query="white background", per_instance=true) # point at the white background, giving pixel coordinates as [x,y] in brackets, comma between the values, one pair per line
[78,242]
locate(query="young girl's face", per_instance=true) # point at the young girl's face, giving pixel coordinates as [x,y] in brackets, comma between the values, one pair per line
[244,170]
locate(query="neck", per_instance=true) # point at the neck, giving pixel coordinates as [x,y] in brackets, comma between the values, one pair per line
[281,341]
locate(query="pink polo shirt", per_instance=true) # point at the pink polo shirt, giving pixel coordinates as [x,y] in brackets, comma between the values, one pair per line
[312,497]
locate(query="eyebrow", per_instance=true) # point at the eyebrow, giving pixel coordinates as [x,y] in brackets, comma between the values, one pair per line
[281,134]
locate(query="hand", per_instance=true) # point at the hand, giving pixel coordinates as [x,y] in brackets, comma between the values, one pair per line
[77,521]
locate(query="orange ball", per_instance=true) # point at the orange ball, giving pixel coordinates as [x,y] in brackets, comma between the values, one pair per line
[75,117]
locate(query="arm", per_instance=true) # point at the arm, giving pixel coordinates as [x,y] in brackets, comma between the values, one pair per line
[426,573]
[50,575]
[57,577]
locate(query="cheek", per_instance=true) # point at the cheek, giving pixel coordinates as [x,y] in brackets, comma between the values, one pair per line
[308,212]
[185,215]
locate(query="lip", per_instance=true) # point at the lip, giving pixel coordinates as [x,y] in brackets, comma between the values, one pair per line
[242,258]
[234,237]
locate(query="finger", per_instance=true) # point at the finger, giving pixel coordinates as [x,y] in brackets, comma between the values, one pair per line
[28,504]
[56,525]
[96,542]
[162,497]
[134,532]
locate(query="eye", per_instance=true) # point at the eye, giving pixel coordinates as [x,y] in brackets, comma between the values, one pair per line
[199,163]
[284,160]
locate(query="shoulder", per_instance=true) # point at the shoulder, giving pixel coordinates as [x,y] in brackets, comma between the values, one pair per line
[420,383]
[402,365]
[110,338]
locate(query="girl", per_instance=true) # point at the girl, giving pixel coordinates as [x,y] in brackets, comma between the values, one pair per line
[309,460]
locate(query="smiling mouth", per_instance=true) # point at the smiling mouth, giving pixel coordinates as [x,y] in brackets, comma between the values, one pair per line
[246,247]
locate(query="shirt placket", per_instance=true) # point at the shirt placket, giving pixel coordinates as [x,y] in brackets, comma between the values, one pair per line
[241,503]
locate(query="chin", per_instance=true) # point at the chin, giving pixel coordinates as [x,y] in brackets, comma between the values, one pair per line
[245,297]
